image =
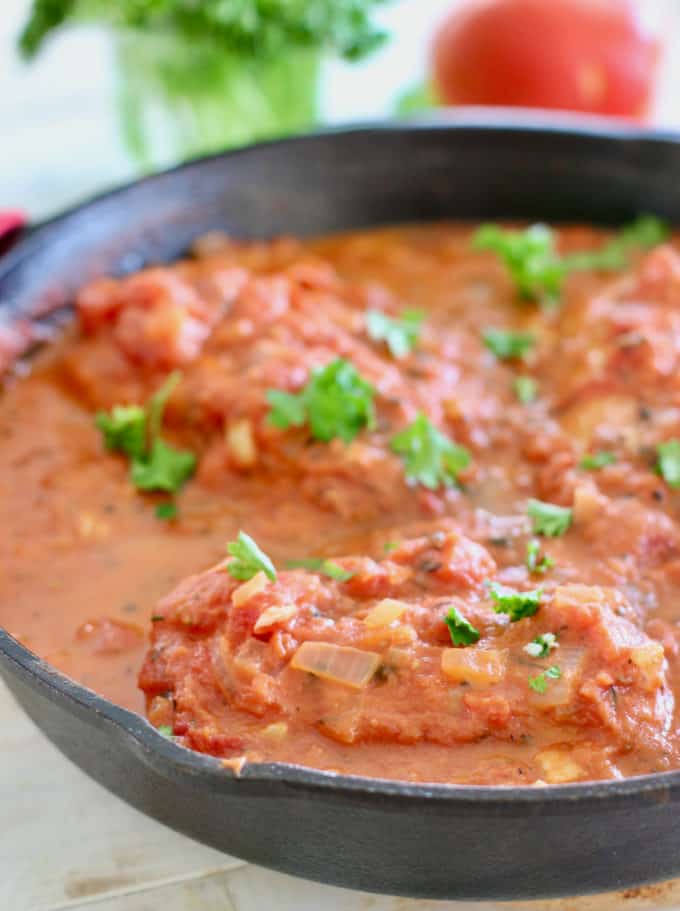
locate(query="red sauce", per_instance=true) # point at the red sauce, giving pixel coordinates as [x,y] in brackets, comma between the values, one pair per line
[86,563]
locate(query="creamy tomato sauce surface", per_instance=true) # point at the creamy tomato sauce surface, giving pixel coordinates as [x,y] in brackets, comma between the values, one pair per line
[351,665]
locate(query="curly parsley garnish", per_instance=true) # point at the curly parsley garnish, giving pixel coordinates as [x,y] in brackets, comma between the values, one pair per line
[593,461]
[539,683]
[548,518]
[517,605]
[248,560]
[461,630]
[525,389]
[542,645]
[336,402]
[536,561]
[135,432]
[430,457]
[506,345]
[324,567]
[668,462]
[400,334]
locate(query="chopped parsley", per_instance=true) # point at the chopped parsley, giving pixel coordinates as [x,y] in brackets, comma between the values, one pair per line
[668,462]
[430,457]
[166,511]
[248,560]
[542,645]
[324,567]
[400,335]
[539,683]
[593,461]
[548,518]
[536,561]
[135,431]
[461,630]
[165,730]
[538,271]
[336,402]
[525,389]
[506,345]
[390,546]
[517,605]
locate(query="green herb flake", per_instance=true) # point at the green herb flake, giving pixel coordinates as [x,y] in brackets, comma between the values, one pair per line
[529,257]
[593,461]
[541,646]
[165,730]
[536,561]
[400,334]
[461,630]
[390,546]
[124,429]
[548,518]
[668,462]
[164,468]
[324,567]
[166,511]
[645,232]
[336,402]
[248,560]
[539,683]
[507,345]
[518,605]
[525,389]
[430,458]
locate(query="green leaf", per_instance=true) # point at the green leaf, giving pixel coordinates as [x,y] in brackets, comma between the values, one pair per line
[596,460]
[165,730]
[124,429]
[248,560]
[164,468]
[668,464]
[420,97]
[507,345]
[336,402]
[157,403]
[645,232]
[548,518]
[430,457]
[526,389]
[537,562]
[461,630]
[541,646]
[539,683]
[324,567]
[166,511]
[517,605]
[399,334]
[530,258]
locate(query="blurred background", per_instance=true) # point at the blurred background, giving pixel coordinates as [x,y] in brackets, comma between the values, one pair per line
[108,89]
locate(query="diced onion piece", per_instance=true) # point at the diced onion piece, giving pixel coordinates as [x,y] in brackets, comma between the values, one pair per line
[241,443]
[276,731]
[649,659]
[385,612]
[560,691]
[342,664]
[474,665]
[279,613]
[558,767]
[588,503]
[249,589]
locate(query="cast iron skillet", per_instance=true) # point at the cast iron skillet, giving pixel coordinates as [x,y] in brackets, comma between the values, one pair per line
[418,840]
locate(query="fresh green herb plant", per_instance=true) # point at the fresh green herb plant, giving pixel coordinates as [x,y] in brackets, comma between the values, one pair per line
[248,560]
[507,346]
[400,334]
[461,630]
[548,518]
[593,461]
[668,462]
[430,457]
[539,683]
[536,561]
[518,605]
[542,645]
[322,566]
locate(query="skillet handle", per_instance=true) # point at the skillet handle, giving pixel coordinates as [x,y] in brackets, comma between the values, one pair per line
[12,224]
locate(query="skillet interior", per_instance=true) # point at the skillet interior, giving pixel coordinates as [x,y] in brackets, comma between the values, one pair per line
[453,842]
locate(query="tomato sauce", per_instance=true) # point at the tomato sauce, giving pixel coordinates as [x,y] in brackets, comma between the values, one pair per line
[356,669]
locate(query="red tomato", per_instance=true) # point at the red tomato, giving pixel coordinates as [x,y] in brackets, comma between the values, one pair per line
[577,55]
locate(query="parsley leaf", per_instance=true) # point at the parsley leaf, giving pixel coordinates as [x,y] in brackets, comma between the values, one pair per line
[548,518]
[517,605]
[124,430]
[526,389]
[325,567]
[529,256]
[542,645]
[248,560]
[400,334]
[537,563]
[430,457]
[539,683]
[645,232]
[596,460]
[461,630]
[336,402]
[507,345]
[668,464]
[166,511]
[165,730]
[164,468]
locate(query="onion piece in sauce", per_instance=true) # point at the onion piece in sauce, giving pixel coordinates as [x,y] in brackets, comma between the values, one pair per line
[342,664]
